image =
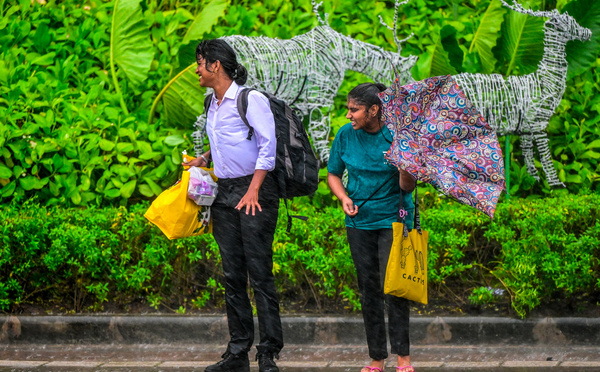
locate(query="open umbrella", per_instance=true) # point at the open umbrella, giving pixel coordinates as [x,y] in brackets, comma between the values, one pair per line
[441,138]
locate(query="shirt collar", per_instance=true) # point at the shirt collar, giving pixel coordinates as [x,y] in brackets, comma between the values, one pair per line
[232,90]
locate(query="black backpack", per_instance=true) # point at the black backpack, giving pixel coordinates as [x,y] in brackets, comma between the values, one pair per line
[296,165]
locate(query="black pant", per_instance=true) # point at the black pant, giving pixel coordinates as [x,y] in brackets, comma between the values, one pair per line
[246,247]
[370,252]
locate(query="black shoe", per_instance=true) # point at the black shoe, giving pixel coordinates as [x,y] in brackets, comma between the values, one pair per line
[266,362]
[231,363]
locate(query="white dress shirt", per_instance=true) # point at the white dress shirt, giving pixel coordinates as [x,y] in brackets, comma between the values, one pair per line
[233,155]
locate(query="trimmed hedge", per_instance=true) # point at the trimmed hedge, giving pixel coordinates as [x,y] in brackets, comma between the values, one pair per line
[533,252]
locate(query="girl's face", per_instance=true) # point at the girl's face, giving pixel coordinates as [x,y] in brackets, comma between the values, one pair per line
[362,117]
[207,78]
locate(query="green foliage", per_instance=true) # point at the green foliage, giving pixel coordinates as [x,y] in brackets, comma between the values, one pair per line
[537,250]
[574,133]
[89,95]
[486,35]
[71,135]
[521,47]
[113,254]
[534,252]
[63,135]
[482,296]
[581,55]
[205,20]
[130,47]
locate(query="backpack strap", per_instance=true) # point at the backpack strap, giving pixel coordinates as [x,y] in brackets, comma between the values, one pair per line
[207,101]
[396,173]
[242,105]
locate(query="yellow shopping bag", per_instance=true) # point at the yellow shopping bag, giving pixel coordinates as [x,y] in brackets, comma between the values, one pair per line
[178,216]
[406,273]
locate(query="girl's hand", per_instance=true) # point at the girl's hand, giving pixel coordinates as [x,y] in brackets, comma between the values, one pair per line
[349,208]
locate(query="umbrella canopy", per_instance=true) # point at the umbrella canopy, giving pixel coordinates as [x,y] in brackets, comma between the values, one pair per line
[441,138]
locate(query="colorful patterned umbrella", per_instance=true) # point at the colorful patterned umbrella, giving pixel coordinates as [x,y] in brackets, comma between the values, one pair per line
[441,138]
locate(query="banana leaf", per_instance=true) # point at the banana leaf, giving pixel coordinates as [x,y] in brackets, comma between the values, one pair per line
[581,55]
[205,21]
[130,45]
[183,98]
[522,42]
[434,62]
[487,34]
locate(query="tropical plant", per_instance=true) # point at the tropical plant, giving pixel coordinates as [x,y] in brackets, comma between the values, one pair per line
[95,106]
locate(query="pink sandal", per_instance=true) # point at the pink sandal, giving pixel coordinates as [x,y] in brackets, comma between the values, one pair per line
[405,369]
[372,369]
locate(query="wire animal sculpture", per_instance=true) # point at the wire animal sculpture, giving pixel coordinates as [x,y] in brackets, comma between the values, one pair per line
[524,104]
[307,71]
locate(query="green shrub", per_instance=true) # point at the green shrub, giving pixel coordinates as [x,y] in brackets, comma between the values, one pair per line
[532,253]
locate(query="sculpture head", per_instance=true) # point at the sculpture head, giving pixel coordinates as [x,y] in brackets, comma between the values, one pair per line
[563,23]
[568,26]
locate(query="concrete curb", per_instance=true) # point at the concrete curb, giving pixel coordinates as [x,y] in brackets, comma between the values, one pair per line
[299,330]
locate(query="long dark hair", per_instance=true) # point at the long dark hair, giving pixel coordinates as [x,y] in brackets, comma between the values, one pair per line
[213,50]
[366,94]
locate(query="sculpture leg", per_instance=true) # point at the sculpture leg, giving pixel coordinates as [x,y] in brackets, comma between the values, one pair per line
[527,148]
[541,140]
[318,129]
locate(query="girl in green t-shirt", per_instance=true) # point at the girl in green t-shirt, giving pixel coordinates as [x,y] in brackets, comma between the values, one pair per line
[359,147]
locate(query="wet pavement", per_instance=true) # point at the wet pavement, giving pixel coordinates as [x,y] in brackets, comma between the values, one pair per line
[295,358]
[324,343]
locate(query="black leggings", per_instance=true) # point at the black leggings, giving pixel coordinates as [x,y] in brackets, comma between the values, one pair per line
[370,251]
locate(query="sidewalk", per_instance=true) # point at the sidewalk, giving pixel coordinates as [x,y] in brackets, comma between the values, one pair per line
[190,343]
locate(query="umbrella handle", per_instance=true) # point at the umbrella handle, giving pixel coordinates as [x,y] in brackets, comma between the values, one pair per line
[417,216]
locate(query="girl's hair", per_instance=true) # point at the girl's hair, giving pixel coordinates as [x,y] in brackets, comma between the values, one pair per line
[366,94]
[218,50]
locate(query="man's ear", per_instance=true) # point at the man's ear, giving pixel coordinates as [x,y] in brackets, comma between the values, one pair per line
[217,66]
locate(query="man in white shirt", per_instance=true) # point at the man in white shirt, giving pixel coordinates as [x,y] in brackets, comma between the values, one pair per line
[246,208]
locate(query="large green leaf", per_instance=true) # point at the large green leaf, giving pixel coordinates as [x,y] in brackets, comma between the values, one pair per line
[434,62]
[183,98]
[130,45]
[487,34]
[450,44]
[207,18]
[581,55]
[522,42]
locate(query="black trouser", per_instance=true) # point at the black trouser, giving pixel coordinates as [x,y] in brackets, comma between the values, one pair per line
[370,252]
[246,247]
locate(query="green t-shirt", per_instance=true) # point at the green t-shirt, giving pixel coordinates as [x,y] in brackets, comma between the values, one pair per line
[362,154]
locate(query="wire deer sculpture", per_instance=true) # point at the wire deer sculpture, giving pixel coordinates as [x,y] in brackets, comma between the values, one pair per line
[307,71]
[524,104]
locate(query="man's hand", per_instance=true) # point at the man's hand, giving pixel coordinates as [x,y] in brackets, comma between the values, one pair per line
[198,162]
[250,199]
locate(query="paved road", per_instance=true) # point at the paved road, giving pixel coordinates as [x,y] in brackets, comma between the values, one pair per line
[294,358]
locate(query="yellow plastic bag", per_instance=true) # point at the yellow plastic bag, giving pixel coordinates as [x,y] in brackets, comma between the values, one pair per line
[178,216]
[406,273]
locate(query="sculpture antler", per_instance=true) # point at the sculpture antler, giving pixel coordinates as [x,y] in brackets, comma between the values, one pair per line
[395,27]
[316,11]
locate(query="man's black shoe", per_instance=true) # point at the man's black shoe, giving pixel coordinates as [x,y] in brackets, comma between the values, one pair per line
[231,363]
[266,362]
